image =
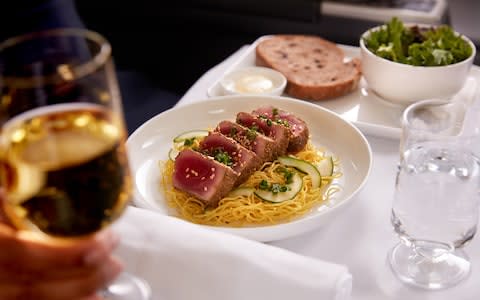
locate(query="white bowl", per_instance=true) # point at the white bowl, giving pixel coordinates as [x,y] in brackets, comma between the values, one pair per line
[253,80]
[405,84]
[152,141]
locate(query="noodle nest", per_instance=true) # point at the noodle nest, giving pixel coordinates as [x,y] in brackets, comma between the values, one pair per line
[249,210]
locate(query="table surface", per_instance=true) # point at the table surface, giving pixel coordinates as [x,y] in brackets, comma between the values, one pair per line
[361,238]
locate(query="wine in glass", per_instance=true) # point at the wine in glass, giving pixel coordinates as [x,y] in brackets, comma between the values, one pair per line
[64,162]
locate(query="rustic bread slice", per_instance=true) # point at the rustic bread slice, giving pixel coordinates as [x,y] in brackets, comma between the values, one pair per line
[314,67]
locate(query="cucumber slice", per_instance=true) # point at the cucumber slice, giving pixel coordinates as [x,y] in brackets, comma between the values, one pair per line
[294,187]
[190,134]
[241,191]
[325,166]
[172,154]
[303,166]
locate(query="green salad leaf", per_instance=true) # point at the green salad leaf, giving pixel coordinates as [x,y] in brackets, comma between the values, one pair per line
[434,46]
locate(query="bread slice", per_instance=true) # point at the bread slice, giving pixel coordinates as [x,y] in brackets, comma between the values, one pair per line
[314,67]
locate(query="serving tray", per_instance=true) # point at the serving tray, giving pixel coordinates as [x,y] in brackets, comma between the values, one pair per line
[368,111]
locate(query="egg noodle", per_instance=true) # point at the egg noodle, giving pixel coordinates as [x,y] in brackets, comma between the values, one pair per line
[237,211]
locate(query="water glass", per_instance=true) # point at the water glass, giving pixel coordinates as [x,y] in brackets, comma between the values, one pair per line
[435,207]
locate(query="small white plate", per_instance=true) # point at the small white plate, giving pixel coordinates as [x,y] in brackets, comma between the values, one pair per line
[372,114]
[151,142]
[254,81]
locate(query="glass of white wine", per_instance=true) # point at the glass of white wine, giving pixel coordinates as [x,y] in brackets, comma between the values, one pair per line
[63,157]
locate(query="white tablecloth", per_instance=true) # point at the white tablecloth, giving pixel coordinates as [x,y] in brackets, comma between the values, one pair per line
[361,238]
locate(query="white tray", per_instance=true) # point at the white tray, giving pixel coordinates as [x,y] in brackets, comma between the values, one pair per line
[370,113]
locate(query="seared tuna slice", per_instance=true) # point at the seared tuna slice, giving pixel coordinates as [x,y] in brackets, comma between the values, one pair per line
[280,134]
[203,177]
[229,152]
[261,145]
[298,128]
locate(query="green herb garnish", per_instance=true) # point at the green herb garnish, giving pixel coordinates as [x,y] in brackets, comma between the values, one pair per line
[233,131]
[287,174]
[274,187]
[266,119]
[434,46]
[189,142]
[278,188]
[283,122]
[263,185]
[223,157]
[252,133]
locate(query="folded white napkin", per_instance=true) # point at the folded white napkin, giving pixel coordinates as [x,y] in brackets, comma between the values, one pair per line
[183,261]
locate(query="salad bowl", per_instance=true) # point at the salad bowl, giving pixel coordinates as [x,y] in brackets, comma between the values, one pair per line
[402,78]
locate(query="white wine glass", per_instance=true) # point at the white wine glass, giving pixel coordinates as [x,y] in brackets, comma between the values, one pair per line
[435,207]
[65,166]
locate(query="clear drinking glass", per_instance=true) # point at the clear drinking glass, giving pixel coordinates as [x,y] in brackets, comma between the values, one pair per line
[62,143]
[435,208]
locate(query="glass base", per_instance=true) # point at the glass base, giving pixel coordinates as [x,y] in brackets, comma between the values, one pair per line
[127,287]
[429,265]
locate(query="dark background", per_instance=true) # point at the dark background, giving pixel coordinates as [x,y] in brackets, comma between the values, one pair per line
[177,41]
[162,47]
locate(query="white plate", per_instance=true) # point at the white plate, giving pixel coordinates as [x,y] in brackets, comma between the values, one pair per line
[151,142]
[372,114]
